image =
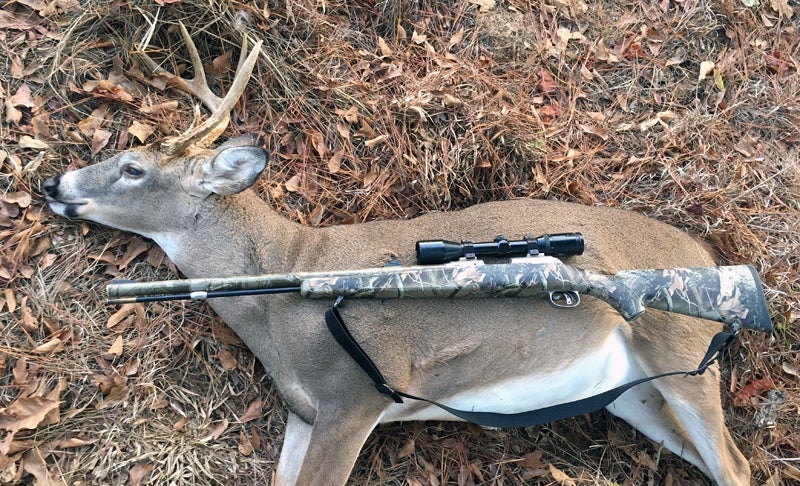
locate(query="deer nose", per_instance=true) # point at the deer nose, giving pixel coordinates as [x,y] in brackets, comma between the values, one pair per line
[50,187]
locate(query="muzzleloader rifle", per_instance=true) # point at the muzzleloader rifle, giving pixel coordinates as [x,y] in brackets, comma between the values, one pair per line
[728,294]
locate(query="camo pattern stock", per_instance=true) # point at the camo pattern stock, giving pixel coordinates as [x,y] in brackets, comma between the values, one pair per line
[731,295]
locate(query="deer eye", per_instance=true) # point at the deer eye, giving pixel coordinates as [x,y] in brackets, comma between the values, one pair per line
[131,171]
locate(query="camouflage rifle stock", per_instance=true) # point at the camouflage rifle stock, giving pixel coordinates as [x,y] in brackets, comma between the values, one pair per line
[731,294]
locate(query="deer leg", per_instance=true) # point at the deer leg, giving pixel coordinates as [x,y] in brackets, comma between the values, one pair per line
[685,414]
[332,446]
[295,444]
[698,407]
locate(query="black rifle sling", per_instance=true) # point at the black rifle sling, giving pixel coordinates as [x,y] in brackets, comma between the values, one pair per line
[719,344]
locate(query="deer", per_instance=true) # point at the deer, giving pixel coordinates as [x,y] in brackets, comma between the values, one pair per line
[501,355]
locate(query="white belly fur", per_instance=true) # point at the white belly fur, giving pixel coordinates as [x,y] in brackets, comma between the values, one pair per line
[600,369]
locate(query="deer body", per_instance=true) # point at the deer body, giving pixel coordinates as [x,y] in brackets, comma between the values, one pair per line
[505,355]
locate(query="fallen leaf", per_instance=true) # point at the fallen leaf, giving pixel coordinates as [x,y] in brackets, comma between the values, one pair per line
[407,449]
[318,142]
[227,360]
[221,64]
[28,142]
[293,184]
[372,143]
[776,62]
[750,390]
[789,368]
[160,109]
[124,311]
[253,411]
[140,130]
[350,114]
[28,321]
[132,367]
[10,21]
[643,458]
[34,164]
[50,346]
[138,473]
[72,442]
[215,431]
[11,300]
[548,112]
[343,129]
[23,97]
[603,53]
[116,395]
[13,115]
[100,139]
[88,125]
[108,89]
[718,81]
[706,67]
[677,57]
[782,7]
[597,131]
[245,446]
[20,198]
[456,39]
[335,162]
[384,48]
[20,372]
[451,101]
[136,246]
[116,348]
[559,475]
[47,261]
[33,463]
[532,460]
[546,84]
[25,413]
[484,5]
[564,36]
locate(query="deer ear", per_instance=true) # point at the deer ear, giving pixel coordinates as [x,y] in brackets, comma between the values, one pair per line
[233,169]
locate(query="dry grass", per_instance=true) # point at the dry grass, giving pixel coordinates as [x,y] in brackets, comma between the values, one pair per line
[530,99]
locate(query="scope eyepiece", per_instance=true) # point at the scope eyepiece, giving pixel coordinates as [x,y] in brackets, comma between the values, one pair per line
[442,251]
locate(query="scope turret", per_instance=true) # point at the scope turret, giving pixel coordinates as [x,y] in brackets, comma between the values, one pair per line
[442,251]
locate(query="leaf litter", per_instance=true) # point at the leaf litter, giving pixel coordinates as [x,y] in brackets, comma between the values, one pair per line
[686,111]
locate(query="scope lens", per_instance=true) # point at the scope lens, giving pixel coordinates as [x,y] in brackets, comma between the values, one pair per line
[563,244]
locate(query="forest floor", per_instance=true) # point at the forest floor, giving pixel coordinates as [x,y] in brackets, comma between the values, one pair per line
[684,110]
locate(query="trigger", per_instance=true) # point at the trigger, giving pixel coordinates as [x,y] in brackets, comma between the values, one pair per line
[565,299]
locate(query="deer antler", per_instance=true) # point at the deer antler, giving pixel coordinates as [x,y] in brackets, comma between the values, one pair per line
[205,133]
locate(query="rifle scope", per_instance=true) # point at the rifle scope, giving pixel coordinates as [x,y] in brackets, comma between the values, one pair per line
[441,251]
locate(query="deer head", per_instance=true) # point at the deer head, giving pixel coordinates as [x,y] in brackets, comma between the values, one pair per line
[166,179]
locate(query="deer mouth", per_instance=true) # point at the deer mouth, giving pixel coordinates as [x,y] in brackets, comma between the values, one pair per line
[68,209]
[52,195]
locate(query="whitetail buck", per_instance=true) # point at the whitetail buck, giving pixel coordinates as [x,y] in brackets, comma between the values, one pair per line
[502,355]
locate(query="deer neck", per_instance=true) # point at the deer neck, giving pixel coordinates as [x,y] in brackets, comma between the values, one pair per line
[235,235]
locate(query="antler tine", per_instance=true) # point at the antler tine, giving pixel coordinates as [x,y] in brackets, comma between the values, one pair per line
[208,131]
